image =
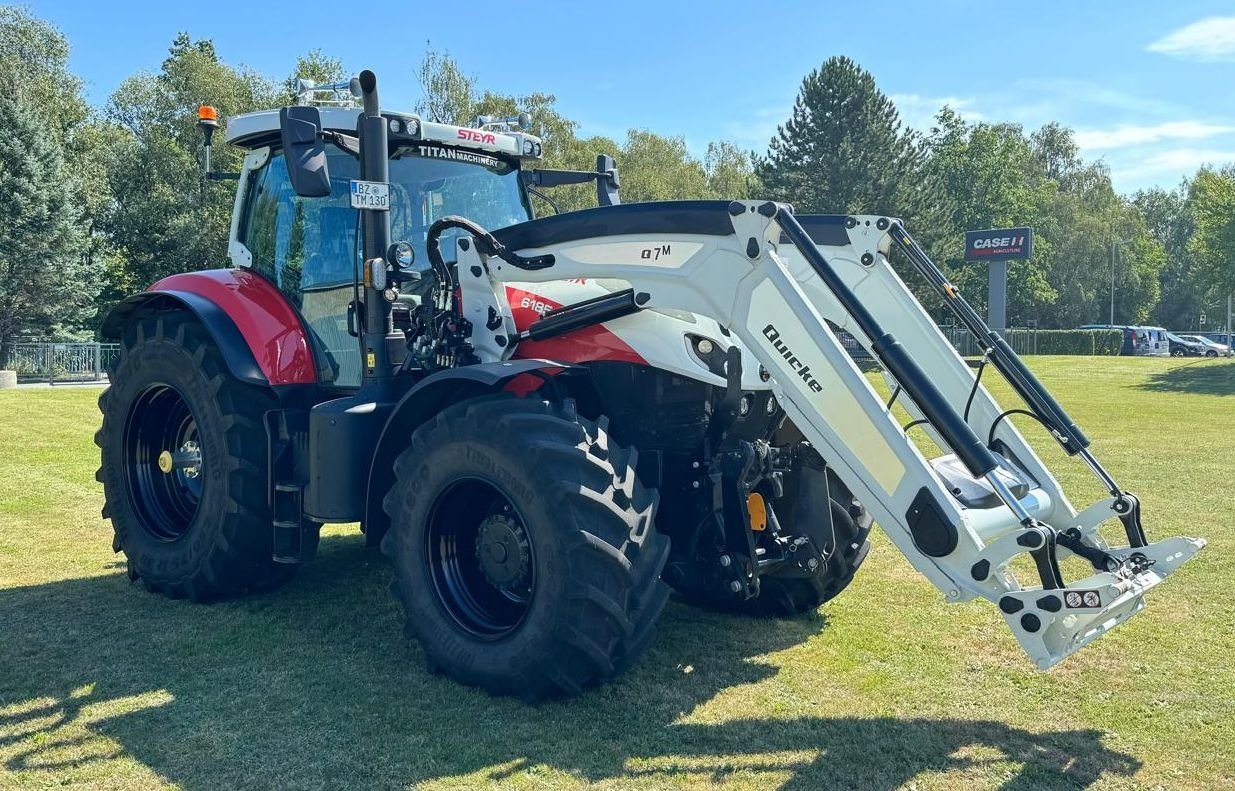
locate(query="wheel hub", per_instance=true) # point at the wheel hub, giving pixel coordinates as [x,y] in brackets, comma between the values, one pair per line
[188,459]
[504,551]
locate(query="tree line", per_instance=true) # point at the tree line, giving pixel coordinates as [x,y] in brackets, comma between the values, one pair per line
[99,202]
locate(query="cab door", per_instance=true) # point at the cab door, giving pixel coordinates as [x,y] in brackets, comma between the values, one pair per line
[307,248]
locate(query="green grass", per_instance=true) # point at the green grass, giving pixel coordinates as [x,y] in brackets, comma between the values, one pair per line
[103,685]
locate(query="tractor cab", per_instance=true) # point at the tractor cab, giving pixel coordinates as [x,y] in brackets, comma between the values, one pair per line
[310,246]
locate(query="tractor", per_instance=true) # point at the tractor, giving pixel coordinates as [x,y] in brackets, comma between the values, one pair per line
[547,424]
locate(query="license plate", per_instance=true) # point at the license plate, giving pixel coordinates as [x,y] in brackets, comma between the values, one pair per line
[370,195]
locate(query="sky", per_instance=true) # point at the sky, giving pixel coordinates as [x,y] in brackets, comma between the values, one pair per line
[1148,86]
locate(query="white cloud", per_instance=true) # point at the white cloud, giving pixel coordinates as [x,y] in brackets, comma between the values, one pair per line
[1131,135]
[919,111]
[1211,39]
[1172,162]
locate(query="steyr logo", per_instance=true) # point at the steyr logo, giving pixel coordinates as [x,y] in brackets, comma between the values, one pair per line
[476,136]
[803,371]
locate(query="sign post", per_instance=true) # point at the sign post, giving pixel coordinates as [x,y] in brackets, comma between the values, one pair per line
[997,246]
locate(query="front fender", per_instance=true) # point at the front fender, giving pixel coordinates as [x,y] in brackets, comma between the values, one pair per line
[258,332]
[429,397]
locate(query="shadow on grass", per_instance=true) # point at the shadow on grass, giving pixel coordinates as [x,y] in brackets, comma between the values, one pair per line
[314,685]
[1201,376]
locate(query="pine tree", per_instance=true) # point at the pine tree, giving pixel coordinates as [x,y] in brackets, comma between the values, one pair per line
[45,273]
[845,150]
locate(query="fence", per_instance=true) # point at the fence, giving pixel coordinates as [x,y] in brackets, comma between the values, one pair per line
[62,362]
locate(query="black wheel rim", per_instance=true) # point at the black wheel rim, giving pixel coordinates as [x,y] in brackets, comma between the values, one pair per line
[165,502]
[480,558]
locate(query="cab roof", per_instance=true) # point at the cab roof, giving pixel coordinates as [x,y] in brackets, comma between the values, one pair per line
[253,130]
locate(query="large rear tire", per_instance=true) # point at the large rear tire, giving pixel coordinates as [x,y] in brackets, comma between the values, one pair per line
[524,548]
[183,453]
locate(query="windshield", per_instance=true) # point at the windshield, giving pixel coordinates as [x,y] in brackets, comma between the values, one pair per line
[428,182]
[309,243]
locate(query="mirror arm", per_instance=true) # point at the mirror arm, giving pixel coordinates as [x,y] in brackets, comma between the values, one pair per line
[552,203]
[348,143]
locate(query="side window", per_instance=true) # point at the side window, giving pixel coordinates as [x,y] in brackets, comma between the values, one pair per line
[306,247]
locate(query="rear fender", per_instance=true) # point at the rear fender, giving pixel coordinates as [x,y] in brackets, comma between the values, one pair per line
[429,397]
[256,329]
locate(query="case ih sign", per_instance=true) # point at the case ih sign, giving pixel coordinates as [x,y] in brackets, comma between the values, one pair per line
[999,244]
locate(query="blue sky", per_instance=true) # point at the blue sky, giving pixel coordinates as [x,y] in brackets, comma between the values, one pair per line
[1148,86]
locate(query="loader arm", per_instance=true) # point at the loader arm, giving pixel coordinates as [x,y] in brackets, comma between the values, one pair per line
[755,268]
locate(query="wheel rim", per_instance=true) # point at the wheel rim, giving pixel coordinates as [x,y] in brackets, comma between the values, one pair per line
[162,462]
[480,558]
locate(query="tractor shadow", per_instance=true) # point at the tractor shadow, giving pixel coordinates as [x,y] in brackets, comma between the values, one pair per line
[1206,377]
[315,686]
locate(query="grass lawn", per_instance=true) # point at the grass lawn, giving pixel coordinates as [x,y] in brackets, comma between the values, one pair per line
[103,685]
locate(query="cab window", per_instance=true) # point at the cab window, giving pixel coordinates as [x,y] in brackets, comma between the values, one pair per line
[307,247]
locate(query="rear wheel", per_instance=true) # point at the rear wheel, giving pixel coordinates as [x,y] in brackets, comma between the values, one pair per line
[183,465]
[524,549]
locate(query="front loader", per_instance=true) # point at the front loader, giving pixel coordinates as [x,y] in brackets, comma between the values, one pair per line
[548,423]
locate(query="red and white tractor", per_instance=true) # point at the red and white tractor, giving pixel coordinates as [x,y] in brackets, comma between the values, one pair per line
[547,423]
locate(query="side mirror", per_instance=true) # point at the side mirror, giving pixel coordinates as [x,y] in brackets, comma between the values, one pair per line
[300,129]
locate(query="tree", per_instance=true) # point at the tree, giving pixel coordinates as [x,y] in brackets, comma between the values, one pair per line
[448,95]
[1212,199]
[34,58]
[993,179]
[43,275]
[165,217]
[1168,219]
[844,150]
[729,170]
[34,62]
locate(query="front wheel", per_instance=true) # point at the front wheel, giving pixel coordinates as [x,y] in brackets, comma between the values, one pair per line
[524,548]
[183,465]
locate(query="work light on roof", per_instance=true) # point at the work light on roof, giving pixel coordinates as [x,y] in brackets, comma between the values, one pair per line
[334,94]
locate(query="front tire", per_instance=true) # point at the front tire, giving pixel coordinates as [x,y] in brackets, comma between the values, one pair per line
[524,548]
[183,454]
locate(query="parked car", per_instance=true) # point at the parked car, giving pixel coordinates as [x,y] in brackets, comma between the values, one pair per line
[1138,341]
[1183,348]
[1212,348]
[1220,337]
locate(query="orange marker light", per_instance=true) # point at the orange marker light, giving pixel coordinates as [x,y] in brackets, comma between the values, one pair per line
[758,511]
[207,113]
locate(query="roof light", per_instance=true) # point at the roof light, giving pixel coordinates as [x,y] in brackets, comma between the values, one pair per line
[207,115]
